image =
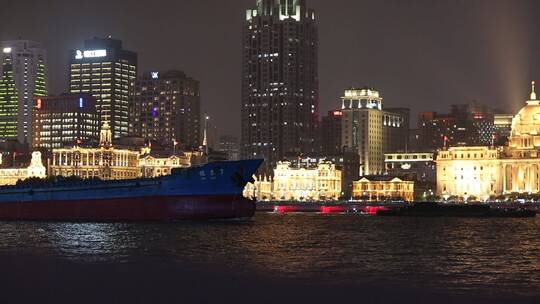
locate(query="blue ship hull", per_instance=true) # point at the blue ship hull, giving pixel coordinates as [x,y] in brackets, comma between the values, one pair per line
[212,191]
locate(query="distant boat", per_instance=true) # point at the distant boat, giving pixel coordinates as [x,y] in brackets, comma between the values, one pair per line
[211,191]
[455,210]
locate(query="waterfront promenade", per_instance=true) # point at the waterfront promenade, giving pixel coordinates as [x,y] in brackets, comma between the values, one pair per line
[361,207]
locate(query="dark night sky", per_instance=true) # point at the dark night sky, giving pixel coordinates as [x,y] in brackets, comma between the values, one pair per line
[422,54]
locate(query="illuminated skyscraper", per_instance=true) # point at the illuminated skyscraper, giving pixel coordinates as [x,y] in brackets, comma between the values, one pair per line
[166,107]
[106,71]
[279,81]
[22,77]
[65,121]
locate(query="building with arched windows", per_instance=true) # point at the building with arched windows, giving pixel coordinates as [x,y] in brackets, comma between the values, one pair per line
[290,183]
[152,166]
[484,172]
[380,188]
[104,162]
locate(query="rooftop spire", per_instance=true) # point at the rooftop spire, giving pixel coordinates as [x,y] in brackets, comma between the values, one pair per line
[105,136]
[533,91]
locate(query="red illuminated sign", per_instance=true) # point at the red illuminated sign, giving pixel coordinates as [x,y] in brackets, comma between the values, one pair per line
[38,104]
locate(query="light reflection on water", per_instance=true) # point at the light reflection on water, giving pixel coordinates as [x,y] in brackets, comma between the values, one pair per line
[494,255]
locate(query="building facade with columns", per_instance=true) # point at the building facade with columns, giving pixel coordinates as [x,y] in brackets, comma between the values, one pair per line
[104,162]
[484,172]
[318,183]
[380,188]
[152,166]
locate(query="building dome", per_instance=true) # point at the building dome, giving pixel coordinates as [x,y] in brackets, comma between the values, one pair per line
[526,124]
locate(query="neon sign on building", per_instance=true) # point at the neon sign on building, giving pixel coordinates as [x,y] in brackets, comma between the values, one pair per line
[90,54]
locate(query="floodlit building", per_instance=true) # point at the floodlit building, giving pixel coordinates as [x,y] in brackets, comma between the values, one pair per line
[469,171]
[106,71]
[152,166]
[371,131]
[319,183]
[280,85]
[65,120]
[346,162]
[261,189]
[11,176]
[483,172]
[104,162]
[23,77]
[322,182]
[380,188]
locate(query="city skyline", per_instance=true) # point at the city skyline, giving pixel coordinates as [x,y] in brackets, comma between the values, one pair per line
[436,66]
[278,151]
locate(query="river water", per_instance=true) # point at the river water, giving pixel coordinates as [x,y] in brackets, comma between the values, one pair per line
[494,259]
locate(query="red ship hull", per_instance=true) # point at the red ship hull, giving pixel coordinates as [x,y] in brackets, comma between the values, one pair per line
[132,209]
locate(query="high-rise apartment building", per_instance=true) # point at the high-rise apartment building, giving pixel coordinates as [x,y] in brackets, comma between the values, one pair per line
[279,81]
[166,107]
[369,130]
[65,121]
[106,71]
[22,77]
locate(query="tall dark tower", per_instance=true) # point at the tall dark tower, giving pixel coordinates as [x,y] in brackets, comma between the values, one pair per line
[166,107]
[280,105]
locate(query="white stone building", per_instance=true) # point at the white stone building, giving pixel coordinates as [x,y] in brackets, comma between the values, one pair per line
[484,172]
[36,169]
[322,182]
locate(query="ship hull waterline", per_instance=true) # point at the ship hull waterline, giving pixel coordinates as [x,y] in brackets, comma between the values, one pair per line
[165,208]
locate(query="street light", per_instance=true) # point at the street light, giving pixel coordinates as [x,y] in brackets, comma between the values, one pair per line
[205,140]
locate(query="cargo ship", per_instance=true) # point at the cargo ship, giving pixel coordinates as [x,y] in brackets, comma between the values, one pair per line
[432,209]
[210,191]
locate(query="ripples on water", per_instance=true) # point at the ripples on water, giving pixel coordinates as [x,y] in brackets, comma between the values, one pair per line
[492,255]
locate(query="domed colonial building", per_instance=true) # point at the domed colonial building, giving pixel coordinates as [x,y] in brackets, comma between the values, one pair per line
[485,172]
[524,138]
